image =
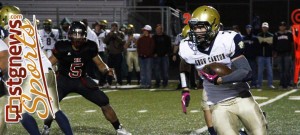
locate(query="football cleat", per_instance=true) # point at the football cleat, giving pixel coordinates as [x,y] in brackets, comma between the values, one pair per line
[122,131]
[46,130]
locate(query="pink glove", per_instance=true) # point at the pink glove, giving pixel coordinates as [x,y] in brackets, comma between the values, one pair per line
[210,77]
[185,100]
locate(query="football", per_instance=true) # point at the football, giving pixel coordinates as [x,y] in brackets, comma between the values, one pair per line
[218,68]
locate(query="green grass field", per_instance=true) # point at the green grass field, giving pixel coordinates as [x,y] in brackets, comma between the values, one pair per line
[159,113]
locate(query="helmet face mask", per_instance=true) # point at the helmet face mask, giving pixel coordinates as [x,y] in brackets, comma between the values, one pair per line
[200,33]
[77,34]
[204,26]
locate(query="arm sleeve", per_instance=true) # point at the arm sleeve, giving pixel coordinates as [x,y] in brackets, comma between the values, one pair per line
[93,49]
[241,71]
[57,50]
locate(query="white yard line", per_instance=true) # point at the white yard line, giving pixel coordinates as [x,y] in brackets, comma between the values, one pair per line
[142,111]
[89,111]
[203,129]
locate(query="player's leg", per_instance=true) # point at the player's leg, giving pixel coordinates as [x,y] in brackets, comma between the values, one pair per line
[60,117]
[136,66]
[28,122]
[63,89]
[98,97]
[252,117]
[130,66]
[207,114]
[224,119]
[3,101]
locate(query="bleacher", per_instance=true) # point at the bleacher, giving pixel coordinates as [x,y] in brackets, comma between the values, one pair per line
[92,10]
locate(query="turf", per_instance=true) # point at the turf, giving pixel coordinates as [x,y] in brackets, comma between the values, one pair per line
[163,115]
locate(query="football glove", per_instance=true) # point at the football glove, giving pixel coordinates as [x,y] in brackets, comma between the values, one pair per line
[185,100]
[212,77]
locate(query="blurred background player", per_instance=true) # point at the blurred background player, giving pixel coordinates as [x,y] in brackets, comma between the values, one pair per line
[132,55]
[184,67]
[49,36]
[186,81]
[72,57]
[28,121]
[228,96]
[91,35]
[64,28]
[124,65]
[101,32]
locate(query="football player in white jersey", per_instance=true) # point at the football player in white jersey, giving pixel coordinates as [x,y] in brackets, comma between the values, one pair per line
[131,55]
[64,28]
[28,121]
[101,32]
[49,36]
[228,96]
[3,91]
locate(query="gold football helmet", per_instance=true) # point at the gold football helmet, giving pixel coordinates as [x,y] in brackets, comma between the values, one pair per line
[5,12]
[103,22]
[204,17]
[185,31]
[130,29]
[47,24]
[130,26]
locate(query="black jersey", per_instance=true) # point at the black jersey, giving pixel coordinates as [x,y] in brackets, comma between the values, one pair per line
[72,63]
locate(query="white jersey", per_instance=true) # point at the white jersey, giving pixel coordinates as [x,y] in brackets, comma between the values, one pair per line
[101,38]
[227,45]
[222,49]
[45,61]
[132,46]
[91,35]
[47,40]
[3,45]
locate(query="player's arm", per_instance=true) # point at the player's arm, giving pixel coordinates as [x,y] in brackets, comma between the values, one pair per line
[240,65]
[103,68]
[242,71]
[53,59]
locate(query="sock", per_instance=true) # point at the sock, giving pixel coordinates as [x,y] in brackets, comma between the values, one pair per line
[48,121]
[116,124]
[30,124]
[212,131]
[63,122]
[129,77]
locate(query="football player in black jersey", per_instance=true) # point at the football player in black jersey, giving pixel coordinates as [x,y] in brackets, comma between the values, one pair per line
[72,57]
